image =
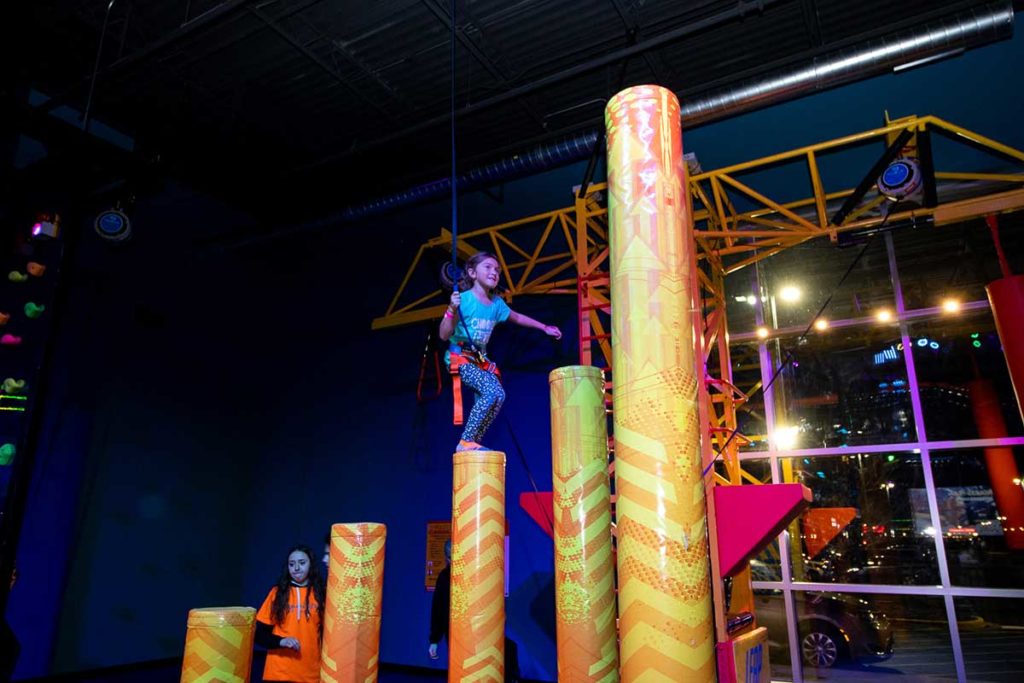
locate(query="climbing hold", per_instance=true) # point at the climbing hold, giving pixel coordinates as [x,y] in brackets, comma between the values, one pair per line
[33,310]
[7,452]
[10,340]
[15,276]
[35,269]
[13,386]
[4,317]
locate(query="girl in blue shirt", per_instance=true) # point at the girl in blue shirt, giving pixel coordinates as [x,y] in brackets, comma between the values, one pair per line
[481,311]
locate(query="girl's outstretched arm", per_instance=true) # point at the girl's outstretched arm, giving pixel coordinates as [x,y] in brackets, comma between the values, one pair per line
[527,321]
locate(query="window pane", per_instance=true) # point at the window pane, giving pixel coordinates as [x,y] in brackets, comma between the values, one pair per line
[860,527]
[740,299]
[770,608]
[795,283]
[845,387]
[992,638]
[861,637]
[982,520]
[965,386]
[954,260]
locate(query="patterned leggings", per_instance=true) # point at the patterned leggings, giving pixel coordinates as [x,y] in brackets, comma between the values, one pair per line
[490,396]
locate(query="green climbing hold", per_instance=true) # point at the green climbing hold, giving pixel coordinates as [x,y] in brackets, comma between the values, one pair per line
[7,452]
[34,311]
[13,386]
[15,276]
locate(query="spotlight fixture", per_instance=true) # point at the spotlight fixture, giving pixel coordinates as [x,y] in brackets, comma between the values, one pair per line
[900,179]
[113,225]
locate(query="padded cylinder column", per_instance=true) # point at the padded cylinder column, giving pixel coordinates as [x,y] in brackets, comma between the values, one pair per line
[218,645]
[1006,297]
[476,627]
[665,613]
[350,650]
[584,563]
[999,461]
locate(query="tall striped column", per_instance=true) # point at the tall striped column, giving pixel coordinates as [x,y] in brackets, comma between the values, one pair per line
[218,645]
[476,631]
[666,623]
[588,650]
[350,649]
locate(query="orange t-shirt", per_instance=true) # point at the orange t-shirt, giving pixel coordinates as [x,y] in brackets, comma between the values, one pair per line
[285,664]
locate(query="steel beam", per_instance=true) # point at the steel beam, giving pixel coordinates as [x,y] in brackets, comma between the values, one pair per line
[481,57]
[315,59]
[740,10]
[220,12]
[632,34]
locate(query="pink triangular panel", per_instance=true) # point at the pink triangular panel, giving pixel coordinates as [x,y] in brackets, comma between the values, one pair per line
[541,508]
[749,517]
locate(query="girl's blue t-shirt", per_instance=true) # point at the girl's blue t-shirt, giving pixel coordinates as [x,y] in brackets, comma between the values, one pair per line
[480,318]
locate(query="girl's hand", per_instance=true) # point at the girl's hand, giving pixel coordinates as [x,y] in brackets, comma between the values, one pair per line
[290,643]
[552,331]
[456,299]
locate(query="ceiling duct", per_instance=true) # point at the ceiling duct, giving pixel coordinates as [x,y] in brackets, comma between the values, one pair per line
[929,41]
[921,44]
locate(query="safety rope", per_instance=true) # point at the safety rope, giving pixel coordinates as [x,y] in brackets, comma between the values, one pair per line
[455,271]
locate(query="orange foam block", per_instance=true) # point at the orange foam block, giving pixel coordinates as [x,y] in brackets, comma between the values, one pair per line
[749,517]
[821,525]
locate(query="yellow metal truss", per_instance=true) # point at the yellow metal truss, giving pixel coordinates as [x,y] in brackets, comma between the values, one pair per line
[541,254]
[742,238]
[565,251]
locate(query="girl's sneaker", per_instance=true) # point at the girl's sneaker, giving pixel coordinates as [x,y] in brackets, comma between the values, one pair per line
[469,446]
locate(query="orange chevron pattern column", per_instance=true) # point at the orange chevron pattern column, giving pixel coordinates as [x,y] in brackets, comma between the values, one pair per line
[588,650]
[476,628]
[665,610]
[218,645]
[355,588]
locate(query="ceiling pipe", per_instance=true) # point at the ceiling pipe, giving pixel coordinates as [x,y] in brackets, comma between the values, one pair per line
[921,44]
[738,12]
[967,29]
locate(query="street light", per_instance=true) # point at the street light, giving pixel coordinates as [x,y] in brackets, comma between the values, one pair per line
[785,438]
[790,294]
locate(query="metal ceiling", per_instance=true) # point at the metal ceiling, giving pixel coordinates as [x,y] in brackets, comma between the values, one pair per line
[321,103]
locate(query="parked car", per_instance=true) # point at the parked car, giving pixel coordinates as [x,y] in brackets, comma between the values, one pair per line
[832,627]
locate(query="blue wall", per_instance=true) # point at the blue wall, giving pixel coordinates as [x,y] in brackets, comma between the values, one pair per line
[350,442]
[185,456]
[133,514]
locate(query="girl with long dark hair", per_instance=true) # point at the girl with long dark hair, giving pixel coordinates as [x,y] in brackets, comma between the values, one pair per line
[290,621]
